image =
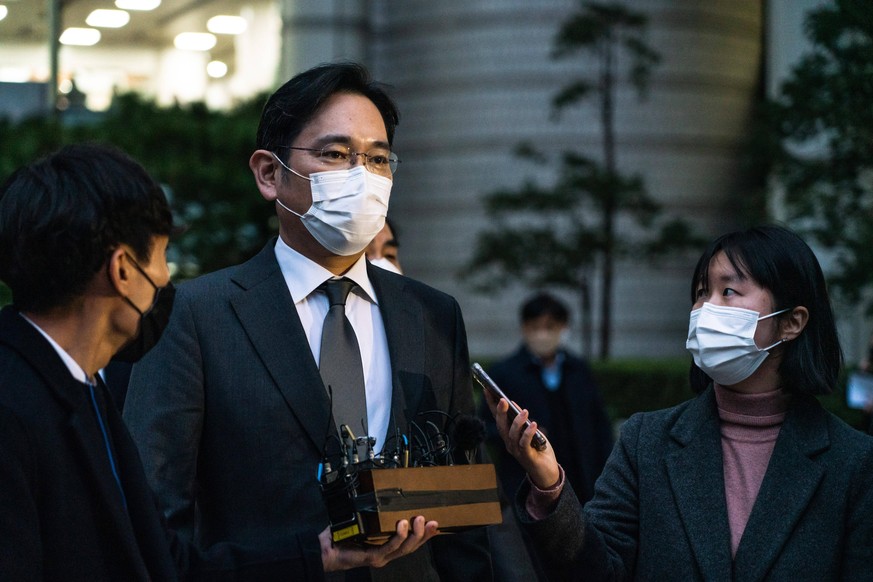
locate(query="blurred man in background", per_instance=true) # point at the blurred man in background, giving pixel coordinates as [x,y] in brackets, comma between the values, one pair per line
[384,250]
[558,389]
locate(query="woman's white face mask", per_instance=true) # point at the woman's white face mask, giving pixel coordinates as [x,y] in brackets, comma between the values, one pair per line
[348,208]
[722,341]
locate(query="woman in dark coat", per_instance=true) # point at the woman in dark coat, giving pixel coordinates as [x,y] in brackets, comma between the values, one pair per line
[750,480]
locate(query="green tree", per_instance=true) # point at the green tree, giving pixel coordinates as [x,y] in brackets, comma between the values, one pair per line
[200,156]
[558,234]
[821,142]
[22,142]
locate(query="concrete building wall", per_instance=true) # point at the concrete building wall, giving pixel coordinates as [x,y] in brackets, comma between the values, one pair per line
[475,77]
[319,31]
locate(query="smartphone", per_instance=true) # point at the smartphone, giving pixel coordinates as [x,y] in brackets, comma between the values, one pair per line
[539,440]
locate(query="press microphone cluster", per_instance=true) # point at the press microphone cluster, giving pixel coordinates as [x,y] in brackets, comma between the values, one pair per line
[345,474]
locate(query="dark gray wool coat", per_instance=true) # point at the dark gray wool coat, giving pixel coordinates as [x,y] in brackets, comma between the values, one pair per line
[659,510]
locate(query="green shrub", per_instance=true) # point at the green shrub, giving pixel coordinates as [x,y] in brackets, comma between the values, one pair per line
[200,156]
[635,385]
[836,403]
[5,295]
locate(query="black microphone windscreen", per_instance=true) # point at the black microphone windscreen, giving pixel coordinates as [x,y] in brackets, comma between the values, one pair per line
[468,433]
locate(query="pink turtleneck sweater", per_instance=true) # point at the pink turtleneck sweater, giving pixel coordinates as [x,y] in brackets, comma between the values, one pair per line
[750,424]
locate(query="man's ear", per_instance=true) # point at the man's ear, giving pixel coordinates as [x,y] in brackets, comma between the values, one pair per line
[793,322]
[120,271]
[267,173]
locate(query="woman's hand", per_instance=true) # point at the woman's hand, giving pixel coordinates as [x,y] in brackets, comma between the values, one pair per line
[541,466]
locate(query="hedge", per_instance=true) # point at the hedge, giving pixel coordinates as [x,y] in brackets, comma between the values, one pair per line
[636,385]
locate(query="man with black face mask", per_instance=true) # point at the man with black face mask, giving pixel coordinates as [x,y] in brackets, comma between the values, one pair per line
[265,362]
[83,237]
[152,322]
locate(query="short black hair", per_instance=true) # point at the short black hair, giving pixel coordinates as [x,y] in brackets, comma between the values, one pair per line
[295,103]
[542,304]
[781,262]
[62,216]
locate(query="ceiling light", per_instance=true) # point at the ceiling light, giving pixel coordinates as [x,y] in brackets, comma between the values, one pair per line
[223,24]
[138,4]
[80,36]
[15,75]
[194,41]
[108,18]
[3,12]
[216,69]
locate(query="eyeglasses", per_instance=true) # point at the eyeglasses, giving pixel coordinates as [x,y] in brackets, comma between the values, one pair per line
[380,161]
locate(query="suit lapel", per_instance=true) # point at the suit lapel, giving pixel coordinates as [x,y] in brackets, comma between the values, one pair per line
[268,316]
[404,329]
[96,464]
[151,536]
[697,482]
[789,484]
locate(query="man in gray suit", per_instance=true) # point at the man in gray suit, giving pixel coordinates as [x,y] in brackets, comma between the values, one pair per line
[230,410]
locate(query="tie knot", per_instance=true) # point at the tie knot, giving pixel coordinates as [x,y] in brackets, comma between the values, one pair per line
[337,290]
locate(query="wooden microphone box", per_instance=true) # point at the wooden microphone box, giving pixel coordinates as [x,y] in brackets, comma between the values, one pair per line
[456,496]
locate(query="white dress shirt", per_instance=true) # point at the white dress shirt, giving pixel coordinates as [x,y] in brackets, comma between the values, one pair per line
[302,276]
[73,366]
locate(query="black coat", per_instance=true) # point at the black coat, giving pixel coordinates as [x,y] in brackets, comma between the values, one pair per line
[61,513]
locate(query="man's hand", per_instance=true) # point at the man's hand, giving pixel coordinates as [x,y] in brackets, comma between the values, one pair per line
[541,466]
[403,542]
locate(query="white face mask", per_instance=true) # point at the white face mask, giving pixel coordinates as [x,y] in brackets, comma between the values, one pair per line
[544,343]
[348,208]
[722,342]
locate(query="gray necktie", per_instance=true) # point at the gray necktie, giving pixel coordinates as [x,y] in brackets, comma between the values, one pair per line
[340,360]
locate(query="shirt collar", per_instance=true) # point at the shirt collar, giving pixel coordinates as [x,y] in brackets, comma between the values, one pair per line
[560,356]
[303,276]
[74,368]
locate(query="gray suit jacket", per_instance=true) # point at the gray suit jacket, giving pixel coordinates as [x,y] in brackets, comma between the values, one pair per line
[659,510]
[231,415]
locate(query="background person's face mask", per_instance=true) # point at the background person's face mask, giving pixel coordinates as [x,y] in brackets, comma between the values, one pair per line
[384,263]
[544,343]
[348,208]
[722,341]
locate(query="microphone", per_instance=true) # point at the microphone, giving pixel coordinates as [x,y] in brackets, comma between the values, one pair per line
[440,447]
[467,434]
[348,438]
